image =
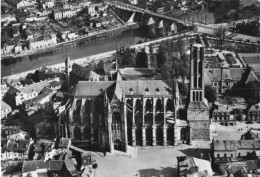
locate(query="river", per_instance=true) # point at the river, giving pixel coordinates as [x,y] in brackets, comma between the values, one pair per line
[26,63]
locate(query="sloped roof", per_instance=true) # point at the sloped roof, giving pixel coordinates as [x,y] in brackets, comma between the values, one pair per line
[236,73]
[82,71]
[33,165]
[249,144]
[4,105]
[252,77]
[223,108]
[35,86]
[214,74]
[255,108]
[249,135]
[29,166]
[56,165]
[186,165]
[91,88]
[233,145]
[141,87]
[12,90]
[225,145]
[55,83]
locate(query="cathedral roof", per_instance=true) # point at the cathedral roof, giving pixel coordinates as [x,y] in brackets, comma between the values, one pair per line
[144,87]
[122,88]
[91,88]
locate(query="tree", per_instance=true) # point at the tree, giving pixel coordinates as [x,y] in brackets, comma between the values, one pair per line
[221,35]
[210,93]
[252,92]
[141,59]
[101,64]
[183,88]
[166,72]
[90,66]
[163,55]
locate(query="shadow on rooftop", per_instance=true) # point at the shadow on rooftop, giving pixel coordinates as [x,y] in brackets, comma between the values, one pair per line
[164,172]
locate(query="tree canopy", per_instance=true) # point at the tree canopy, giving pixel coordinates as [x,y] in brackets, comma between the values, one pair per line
[210,93]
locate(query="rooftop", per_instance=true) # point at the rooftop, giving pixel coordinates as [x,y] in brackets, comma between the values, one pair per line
[233,145]
[37,87]
[133,87]
[4,105]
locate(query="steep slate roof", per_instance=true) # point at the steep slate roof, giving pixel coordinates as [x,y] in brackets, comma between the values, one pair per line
[92,88]
[139,87]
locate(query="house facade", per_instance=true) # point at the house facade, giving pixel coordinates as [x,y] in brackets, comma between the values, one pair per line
[43,41]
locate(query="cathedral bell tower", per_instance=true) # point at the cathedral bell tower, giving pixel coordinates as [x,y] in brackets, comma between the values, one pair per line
[197,112]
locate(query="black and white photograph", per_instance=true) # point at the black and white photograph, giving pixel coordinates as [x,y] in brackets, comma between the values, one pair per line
[130,88]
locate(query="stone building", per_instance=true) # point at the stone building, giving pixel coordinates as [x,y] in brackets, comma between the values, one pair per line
[112,115]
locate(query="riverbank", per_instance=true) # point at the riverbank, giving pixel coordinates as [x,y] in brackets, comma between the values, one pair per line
[101,35]
[106,56]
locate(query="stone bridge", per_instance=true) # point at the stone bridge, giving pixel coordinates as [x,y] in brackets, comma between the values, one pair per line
[130,13]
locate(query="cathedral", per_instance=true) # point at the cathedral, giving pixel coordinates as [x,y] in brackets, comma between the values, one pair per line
[112,115]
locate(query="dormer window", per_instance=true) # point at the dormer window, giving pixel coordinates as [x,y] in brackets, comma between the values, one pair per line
[131,91]
[147,91]
[157,91]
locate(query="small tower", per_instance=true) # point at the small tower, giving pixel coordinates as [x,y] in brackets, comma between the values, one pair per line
[68,69]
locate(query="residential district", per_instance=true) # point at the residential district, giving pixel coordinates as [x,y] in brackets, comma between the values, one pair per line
[182,103]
